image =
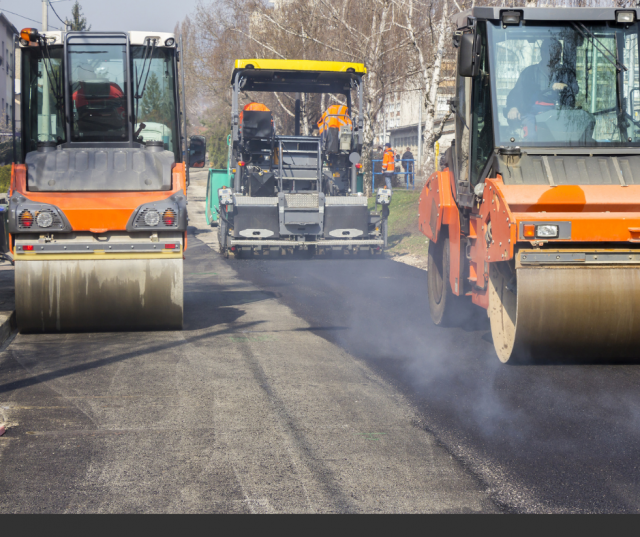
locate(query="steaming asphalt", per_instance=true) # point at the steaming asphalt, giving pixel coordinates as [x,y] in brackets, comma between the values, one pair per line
[246,410]
[308,386]
[542,438]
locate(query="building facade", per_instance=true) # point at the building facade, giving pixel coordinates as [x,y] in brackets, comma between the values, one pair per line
[402,116]
[7,33]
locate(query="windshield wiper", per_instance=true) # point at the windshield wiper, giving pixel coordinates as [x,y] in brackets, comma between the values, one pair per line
[146,57]
[600,46]
[615,61]
[54,80]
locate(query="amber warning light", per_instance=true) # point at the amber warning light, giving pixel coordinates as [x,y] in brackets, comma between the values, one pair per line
[29,34]
[530,231]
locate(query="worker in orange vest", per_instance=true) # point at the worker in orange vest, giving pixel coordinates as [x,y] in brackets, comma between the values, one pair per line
[388,164]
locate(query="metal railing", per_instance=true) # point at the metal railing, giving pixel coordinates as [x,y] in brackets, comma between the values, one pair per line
[410,174]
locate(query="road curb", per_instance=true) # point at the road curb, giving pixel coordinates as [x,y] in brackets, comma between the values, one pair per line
[7,324]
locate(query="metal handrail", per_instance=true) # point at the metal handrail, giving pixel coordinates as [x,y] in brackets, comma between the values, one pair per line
[406,174]
[298,139]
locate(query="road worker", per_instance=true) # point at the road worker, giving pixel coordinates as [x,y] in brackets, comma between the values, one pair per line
[544,86]
[388,164]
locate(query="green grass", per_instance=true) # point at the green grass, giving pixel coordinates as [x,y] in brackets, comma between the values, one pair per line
[404,235]
[5,178]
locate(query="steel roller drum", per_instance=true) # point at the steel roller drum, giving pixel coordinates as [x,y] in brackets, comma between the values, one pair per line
[99,295]
[569,311]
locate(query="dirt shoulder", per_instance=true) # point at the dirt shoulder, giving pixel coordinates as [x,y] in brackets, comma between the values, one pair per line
[407,244]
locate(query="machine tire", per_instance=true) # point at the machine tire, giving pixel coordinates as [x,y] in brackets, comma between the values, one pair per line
[222,237]
[446,308]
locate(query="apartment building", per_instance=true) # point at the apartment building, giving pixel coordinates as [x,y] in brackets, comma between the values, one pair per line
[7,33]
[402,116]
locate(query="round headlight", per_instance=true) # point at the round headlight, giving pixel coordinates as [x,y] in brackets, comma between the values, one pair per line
[44,219]
[151,218]
[169,42]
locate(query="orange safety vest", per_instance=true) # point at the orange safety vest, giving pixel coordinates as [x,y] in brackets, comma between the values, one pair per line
[257,107]
[336,116]
[388,161]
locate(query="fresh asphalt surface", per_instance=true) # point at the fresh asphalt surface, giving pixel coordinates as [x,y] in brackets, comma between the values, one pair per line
[547,437]
[99,425]
[551,437]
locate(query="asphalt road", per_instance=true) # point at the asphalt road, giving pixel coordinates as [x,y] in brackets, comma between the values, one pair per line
[549,437]
[247,409]
[309,386]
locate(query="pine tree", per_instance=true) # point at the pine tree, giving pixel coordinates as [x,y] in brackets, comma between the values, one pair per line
[155,104]
[79,21]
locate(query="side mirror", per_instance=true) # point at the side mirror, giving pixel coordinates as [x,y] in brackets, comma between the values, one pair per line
[197,152]
[468,64]
[193,163]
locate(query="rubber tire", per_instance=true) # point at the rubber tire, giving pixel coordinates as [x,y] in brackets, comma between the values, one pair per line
[222,238]
[446,309]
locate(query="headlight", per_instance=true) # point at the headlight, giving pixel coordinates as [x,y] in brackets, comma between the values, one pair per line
[151,218]
[547,231]
[625,17]
[44,219]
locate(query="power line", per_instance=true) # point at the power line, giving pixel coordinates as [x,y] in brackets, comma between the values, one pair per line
[54,10]
[32,20]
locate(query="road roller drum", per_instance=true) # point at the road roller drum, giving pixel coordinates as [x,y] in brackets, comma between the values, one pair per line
[93,295]
[572,311]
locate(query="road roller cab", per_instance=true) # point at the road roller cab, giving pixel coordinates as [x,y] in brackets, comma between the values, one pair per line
[535,215]
[97,207]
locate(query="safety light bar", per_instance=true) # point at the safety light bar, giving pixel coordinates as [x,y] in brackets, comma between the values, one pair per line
[625,17]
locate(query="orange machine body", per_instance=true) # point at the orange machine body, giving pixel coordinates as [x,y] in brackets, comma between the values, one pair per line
[596,213]
[97,212]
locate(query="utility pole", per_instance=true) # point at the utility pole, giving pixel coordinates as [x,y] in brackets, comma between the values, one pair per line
[45,15]
[297,115]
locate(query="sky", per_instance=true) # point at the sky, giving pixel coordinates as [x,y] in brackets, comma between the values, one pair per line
[105,15]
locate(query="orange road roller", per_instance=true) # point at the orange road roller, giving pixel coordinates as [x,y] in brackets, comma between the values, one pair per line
[535,215]
[97,205]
